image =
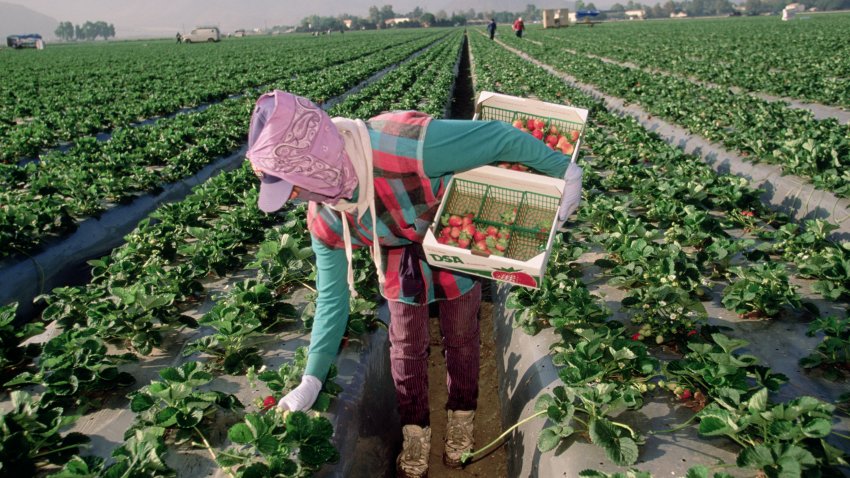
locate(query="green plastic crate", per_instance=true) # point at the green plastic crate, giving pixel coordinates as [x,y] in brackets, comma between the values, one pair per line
[533,219]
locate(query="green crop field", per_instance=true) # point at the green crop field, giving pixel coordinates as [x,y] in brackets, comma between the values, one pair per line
[650,290]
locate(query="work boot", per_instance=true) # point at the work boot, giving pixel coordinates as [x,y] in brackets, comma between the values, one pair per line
[459,439]
[412,462]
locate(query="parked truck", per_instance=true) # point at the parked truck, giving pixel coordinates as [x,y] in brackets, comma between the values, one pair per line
[30,40]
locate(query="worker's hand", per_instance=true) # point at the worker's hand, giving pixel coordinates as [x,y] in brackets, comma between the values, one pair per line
[572,193]
[302,397]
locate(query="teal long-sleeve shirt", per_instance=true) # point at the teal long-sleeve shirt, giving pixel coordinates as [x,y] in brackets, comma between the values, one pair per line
[450,146]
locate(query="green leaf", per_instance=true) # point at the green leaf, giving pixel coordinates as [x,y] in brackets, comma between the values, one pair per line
[318,454]
[267,444]
[166,417]
[621,450]
[818,428]
[240,433]
[548,439]
[699,471]
[141,402]
[256,470]
[543,403]
[256,424]
[758,402]
[756,457]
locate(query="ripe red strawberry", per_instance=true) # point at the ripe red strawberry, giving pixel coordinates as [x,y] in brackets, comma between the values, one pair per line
[537,134]
[686,394]
[531,124]
[552,140]
[481,246]
[517,123]
[443,240]
[539,124]
[455,220]
[468,229]
[567,148]
[269,402]
[574,136]
[479,236]
[492,231]
[553,131]
[455,233]
[514,276]
[446,232]
[463,242]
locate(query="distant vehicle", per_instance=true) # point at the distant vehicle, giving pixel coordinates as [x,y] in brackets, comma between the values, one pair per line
[31,40]
[202,34]
[239,33]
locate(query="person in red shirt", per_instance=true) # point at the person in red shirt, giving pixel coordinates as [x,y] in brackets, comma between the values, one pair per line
[519,26]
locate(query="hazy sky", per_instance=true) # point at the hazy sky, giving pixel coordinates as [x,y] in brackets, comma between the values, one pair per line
[157,17]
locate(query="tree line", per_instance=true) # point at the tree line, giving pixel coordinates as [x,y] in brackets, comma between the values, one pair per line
[87,31]
[382,17]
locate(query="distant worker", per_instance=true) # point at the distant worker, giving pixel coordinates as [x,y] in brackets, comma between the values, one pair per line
[519,26]
[491,27]
[179,37]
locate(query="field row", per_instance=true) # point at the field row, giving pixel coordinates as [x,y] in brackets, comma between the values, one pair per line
[138,301]
[48,198]
[71,91]
[674,236]
[761,131]
[796,59]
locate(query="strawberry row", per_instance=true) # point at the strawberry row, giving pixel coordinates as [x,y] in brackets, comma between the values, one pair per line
[663,282]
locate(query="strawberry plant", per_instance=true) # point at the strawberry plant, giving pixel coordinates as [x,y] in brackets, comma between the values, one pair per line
[787,439]
[602,354]
[832,355]
[234,327]
[665,311]
[288,376]
[590,408]
[695,472]
[30,436]
[715,370]
[13,356]
[283,258]
[176,403]
[75,365]
[760,290]
[278,443]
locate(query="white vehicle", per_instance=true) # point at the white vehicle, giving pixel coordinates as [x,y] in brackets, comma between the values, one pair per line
[202,34]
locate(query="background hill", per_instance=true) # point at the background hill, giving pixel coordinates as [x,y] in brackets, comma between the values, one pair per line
[17,19]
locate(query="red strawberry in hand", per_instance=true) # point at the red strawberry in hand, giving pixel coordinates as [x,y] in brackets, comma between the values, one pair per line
[269,402]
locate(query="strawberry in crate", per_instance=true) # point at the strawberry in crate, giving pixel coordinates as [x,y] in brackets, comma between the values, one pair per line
[554,138]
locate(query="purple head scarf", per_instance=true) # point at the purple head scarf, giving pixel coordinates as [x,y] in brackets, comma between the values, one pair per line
[292,142]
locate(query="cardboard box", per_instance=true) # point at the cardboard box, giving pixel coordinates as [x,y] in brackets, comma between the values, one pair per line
[490,192]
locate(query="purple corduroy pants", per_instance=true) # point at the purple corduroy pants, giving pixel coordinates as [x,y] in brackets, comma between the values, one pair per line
[409,349]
